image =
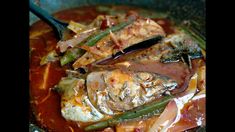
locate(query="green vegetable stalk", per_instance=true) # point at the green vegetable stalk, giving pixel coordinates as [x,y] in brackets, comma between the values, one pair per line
[74,53]
[100,35]
[155,108]
[71,55]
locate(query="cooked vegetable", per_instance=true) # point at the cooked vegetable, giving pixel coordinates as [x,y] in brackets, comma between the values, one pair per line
[71,55]
[50,57]
[80,37]
[155,107]
[166,118]
[191,115]
[138,125]
[97,37]
[172,112]
[76,27]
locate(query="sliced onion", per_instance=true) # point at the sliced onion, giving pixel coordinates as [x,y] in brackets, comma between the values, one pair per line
[192,115]
[172,112]
[64,45]
[166,118]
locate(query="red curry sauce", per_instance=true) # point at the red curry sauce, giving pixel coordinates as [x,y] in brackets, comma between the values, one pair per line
[46,102]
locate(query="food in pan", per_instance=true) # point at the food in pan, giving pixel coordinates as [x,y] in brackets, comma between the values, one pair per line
[118,71]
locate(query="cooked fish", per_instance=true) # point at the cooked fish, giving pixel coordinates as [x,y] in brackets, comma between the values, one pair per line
[118,90]
[184,48]
[75,105]
[109,93]
[140,30]
[173,48]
